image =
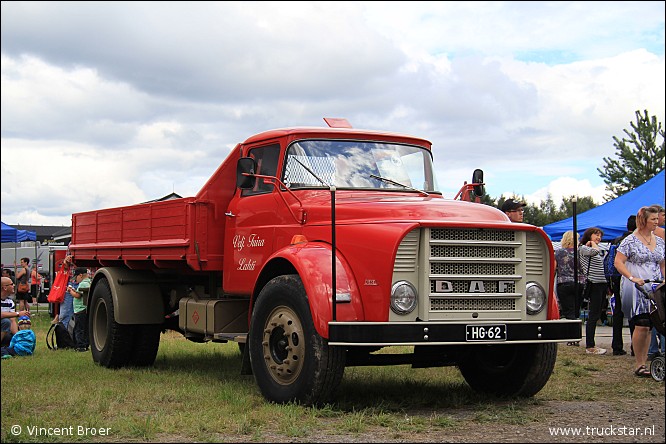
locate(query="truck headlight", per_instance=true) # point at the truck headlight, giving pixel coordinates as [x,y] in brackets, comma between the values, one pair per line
[535,298]
[403,297]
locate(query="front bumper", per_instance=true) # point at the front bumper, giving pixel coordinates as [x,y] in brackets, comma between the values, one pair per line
[448,333]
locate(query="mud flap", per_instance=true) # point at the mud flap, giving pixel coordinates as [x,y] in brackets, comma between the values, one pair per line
[246,366]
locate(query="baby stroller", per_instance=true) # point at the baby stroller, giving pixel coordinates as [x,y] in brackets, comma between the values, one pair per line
[658,319]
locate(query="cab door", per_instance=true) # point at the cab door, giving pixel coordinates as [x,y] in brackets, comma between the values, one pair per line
[251,220]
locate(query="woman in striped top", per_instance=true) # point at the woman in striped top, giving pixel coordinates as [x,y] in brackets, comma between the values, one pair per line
[592,261]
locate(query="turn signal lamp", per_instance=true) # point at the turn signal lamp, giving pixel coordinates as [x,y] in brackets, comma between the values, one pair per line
[298,239]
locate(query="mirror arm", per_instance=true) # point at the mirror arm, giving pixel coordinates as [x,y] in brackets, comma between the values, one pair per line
[301,219]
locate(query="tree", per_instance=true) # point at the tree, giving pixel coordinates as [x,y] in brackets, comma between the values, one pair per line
[640,157]
[543,213]
[486,199]
[583,204]
[546,212]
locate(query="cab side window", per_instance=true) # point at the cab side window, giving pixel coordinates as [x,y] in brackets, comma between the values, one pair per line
[266,159]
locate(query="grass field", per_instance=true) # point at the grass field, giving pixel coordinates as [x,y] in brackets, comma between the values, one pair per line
[195,392]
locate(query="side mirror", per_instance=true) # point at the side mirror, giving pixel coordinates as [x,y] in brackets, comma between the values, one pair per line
[244,166]
[477,178]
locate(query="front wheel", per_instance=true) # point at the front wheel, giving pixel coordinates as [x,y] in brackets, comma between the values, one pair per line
[509,370]
[290,360]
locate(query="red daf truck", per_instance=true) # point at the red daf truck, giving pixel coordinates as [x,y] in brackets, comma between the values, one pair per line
[251,258]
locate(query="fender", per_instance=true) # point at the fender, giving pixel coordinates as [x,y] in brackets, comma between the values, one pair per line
[136,296]
[312,261]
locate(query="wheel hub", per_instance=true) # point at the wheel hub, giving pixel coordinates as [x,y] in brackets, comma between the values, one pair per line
[283,345]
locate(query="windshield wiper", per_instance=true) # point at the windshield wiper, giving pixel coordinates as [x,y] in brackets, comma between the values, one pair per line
[393,182]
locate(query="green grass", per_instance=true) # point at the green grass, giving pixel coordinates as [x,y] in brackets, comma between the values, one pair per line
[195,392]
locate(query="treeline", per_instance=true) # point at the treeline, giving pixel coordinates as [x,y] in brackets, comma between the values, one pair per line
[546,212]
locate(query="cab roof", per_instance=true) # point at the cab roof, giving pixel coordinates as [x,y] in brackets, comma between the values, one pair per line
[295,133]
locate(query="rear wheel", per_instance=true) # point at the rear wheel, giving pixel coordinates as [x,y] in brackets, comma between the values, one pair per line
[111,343]
[509,370]
[290,360]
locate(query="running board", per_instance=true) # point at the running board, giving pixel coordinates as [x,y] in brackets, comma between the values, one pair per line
[236,337]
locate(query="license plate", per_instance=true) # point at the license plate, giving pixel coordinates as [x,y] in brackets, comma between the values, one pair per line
[495,332]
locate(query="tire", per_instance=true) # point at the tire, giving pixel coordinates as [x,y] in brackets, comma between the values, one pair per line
[657,368]
[145,346]
[509,370]
[290,361]
[110,343]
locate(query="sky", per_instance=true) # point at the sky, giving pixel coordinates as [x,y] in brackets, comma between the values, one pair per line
[108,104]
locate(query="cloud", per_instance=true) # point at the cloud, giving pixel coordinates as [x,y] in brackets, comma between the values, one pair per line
[566,187]
[147,98]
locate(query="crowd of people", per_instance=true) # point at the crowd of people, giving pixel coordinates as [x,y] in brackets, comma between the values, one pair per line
[639,260]
[18,339]
[581,277]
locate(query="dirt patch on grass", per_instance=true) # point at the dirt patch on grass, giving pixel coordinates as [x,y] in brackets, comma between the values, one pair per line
[546,422]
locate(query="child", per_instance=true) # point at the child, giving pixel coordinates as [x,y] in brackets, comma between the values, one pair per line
[80,296]
[23,342]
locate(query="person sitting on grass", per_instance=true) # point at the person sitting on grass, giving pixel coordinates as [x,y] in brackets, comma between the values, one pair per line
[9,313]
[23,342]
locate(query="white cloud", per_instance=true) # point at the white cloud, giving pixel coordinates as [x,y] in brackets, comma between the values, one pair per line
[566,187]
[148,97]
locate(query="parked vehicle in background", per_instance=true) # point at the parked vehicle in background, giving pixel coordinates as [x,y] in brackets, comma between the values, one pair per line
[10,255]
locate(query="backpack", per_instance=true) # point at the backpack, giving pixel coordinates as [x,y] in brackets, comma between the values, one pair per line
[609,264]
[58,337]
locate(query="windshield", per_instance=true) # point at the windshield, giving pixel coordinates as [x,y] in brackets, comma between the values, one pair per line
[352,164]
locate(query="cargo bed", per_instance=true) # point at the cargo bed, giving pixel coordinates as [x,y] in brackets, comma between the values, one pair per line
[168,234]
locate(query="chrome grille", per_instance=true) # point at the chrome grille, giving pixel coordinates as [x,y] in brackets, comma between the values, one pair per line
[453,268]
[472,304]
[472,235]
[474,251]
[474,270]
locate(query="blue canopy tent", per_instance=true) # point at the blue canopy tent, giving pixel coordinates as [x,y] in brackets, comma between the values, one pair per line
[11,234]
[612,216]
